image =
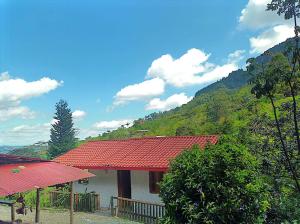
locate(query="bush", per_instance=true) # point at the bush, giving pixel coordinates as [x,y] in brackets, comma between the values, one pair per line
[220,184]
[30,198]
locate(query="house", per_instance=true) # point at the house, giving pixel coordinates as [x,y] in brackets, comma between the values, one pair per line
[20,174]
[128,168]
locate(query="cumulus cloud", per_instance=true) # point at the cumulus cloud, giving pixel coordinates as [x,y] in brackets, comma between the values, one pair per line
[270,37]
[140,91]
[15,90]
[171,102]
[17,111]
[111,125]
[182,71]
[103,126]
[4,76]
[192,68]
[255,16]
[273,29]
[78,114]
[25,134]
[236,56]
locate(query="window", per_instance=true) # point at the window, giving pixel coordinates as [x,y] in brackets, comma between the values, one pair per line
[154,179]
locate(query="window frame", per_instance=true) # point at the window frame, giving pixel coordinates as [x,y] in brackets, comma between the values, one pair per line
[155,177]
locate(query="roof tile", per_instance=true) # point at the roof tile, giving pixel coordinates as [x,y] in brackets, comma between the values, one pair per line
[150,153]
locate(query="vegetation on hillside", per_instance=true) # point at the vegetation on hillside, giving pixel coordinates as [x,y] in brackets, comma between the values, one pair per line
[201,185]
[37,150]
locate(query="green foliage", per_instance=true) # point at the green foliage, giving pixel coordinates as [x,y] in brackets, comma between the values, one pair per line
[62,137]
[38,150]
[184,130]
[288,8]
[220,184]
[30,198]
[234,81]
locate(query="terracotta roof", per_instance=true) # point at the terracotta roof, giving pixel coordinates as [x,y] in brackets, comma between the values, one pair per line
[20,177]
[150,153]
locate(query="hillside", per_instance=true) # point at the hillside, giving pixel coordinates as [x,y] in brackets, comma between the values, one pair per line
[233,81]
[222,107]
[38,150]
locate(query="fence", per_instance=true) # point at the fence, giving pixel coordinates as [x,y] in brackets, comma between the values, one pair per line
[88,202]
[140,211]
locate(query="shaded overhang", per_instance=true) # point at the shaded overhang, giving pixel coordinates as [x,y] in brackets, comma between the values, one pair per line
[24,176]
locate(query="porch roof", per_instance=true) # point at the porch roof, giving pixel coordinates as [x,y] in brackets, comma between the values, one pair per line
[19,174]
[149,153]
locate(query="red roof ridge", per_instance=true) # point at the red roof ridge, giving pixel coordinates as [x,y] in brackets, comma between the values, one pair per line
[155,137]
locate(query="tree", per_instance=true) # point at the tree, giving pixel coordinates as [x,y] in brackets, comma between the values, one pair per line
[291,10]
[62,137]
[220,184]
[267,81]
[184,130]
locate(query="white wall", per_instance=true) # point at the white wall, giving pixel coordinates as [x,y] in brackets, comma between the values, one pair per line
[105,184]
[140,187]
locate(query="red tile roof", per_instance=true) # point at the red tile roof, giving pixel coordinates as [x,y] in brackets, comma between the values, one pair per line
[20,177]
[150,153]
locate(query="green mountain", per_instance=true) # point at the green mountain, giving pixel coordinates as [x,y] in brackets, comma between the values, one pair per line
[222,107]
[234,80]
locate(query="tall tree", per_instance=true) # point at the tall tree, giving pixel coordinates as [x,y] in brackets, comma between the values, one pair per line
[267,81]
[62,137]
[291,10]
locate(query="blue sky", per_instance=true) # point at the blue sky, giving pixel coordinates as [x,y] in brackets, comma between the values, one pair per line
[115,61]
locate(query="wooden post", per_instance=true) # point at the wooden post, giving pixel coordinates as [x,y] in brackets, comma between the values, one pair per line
[71,203]
[12,210]
[112,206]
[37,208]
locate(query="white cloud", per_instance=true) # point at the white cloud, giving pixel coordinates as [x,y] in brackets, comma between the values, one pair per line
[140,91]
[270,37]
[169,103]
[275,29]
[25,134]
[192,68]
[103,126]
[218,73]
[111,125]
[182,71]
[18,111]
[236,56]
[15,90]
[255,16]
[4,76]
[78,114]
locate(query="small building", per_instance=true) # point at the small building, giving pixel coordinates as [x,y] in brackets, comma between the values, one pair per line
[20,174]
[128,168]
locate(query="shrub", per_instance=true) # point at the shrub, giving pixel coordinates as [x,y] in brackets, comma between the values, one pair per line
[30,198]
[220,184]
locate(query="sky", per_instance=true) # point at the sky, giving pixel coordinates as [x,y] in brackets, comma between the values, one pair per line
[115,61]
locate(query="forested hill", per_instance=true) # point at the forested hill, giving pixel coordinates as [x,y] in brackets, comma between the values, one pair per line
[222,107]
[234,80]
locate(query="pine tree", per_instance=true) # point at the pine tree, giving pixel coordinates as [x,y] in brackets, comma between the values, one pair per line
[62,136]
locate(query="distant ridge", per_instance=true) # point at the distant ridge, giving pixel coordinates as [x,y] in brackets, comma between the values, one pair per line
[234,80]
